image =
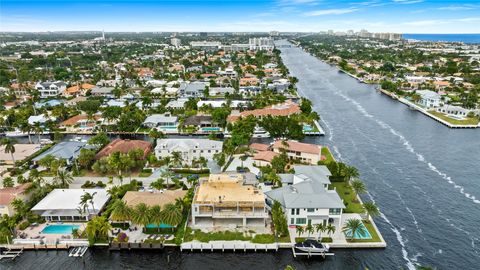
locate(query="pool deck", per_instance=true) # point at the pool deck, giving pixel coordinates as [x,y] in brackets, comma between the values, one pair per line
[35,233]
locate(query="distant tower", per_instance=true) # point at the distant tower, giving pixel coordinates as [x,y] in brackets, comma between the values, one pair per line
[103,34]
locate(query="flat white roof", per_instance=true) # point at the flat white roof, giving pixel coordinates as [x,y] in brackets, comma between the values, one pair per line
[69,199]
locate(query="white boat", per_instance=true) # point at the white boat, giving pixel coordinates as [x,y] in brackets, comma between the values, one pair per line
[259,132]
[45,141]
[16,133]
[312,246]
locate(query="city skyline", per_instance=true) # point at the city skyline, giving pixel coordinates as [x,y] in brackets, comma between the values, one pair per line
[401,16]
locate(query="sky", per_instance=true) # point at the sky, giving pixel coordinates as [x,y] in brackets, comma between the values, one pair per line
[401,16]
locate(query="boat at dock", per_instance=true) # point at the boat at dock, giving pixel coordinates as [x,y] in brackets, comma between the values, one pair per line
[312,246]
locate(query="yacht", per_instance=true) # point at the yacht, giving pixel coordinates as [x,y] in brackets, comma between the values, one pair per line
[312,246]
[259,132]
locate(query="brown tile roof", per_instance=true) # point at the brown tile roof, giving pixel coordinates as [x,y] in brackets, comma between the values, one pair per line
[259,147]
[124,146]
[74,120]
[133,198]
[78,88]
[265,156]
[283,109]
[7,195]
[298,146]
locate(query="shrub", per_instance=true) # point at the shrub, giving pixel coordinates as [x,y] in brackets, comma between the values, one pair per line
[24,225]
[100,184]
[122,237]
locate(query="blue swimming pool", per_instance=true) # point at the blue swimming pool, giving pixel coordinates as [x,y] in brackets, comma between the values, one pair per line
[162,226]
[357,235]
[210,129]
[59,229]
[307,128]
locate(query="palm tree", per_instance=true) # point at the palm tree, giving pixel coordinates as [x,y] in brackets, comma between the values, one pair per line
[354,226]
[330,229]
[300,230]
[172,214]
[156,215]
[63,178]
[359,187]
[85,199]
[27,128]
[159,184]
[9,147]
[141,214]
[97,228]
[120,211]
[38,130]
[167,174]
[320,228]
[371,209]
[309,228]
[350,172]
[19,206]
[177,158]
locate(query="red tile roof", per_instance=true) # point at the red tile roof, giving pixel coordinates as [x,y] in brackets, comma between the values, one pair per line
[298,147]
[265,156]
[283,109]
[259,147]
[124,146]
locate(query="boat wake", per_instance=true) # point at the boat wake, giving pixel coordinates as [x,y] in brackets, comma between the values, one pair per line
[410,148]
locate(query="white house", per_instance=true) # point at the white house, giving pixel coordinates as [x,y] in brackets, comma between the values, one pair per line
[64,204]
[190,149]
[162,122]
[306,198]
[429,98]
[50,89]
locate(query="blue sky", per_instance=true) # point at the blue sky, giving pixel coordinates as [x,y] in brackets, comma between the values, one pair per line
[403,16]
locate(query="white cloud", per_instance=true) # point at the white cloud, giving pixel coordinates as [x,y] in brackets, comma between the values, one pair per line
[336,11]
[407,2]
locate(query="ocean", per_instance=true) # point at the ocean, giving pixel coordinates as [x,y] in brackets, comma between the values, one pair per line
[466,38]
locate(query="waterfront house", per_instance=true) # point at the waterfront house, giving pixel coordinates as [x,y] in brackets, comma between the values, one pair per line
[200,123]
[189,149]
[282,109]
[453,110]
[79,89]
[9,194]
[163,122]
[429,99]
[307,199]
[301,152]
[176,104]
[226,201]
[50,89]
[193,89]
[68,151]
[124,146]
[40,119]
[79,123]
[102,91]
[221,91]
[64,204]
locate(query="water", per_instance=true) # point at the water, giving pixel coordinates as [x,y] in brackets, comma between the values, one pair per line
[466,38]
[59,229]
[423,175]
[365,234]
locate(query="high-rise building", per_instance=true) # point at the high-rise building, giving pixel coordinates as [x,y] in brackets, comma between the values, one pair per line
[176,42]
[262,43]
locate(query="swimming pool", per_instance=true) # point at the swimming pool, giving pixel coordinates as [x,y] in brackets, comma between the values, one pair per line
[367,235]
[59,229]
[210,129]
[307,128]
[162,226]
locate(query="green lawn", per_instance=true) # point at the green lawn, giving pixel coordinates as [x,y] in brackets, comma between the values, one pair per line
[467,121]
[348,196]
[227,236]
[328,155]
[371,230]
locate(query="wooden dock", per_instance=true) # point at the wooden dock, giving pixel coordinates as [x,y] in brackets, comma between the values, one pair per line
[11,253]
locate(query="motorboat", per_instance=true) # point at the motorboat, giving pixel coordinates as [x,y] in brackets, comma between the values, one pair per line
[15,134]
[312,246]
[259,132]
